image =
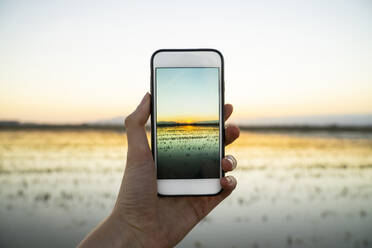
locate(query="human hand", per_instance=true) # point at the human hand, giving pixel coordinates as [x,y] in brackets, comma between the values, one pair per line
[140,217]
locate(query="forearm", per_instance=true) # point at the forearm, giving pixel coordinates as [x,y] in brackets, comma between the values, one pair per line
[110,233]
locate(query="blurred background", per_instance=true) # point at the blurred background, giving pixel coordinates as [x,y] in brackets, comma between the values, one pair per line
[297,72]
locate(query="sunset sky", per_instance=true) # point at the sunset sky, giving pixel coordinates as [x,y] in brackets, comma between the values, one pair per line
[79,61]
[187,95]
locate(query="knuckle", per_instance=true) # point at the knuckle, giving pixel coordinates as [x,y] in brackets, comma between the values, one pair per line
[129,120]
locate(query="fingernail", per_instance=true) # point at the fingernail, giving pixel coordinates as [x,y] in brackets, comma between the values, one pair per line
[229,180]
[232,161]
[144,99]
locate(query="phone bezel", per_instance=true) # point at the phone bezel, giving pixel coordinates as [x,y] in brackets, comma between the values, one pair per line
[188,58]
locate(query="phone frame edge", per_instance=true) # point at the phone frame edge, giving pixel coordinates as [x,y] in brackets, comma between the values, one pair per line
[152,104]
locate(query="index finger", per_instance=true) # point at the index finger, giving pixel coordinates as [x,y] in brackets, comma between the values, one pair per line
[228,109]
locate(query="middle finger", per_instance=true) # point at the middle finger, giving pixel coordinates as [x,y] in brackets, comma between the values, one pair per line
[229,163]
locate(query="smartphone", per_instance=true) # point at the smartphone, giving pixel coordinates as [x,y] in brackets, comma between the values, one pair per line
[187,120]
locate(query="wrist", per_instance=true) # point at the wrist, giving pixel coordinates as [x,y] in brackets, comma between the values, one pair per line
[111,233]
[123,234]
[150,236]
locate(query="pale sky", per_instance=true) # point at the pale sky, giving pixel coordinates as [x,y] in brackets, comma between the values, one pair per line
[187,94]
[77,61]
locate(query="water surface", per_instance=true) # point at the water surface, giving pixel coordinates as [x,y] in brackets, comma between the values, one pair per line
[293,190]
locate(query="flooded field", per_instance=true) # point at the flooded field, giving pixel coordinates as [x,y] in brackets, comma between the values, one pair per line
[297,190]
[186,152]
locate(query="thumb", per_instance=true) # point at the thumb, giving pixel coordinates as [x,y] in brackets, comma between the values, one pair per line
[138,146]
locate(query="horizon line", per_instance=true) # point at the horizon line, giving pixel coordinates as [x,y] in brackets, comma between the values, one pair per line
[244,127]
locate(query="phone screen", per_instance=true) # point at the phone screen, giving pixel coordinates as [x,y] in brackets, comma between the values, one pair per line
[188,122]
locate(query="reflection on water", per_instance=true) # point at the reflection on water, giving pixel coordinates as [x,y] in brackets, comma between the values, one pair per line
[293,190]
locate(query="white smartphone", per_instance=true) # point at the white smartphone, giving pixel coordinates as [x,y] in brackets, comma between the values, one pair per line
[187,120]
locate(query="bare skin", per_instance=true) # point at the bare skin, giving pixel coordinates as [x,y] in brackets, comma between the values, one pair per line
[142,219]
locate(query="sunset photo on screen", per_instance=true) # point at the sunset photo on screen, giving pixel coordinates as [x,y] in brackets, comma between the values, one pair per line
[187,123]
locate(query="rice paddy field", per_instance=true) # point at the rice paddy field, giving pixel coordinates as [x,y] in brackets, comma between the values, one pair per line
[187,152]
[294,189]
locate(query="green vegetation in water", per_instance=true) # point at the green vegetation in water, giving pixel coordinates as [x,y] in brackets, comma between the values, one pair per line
[188,151]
